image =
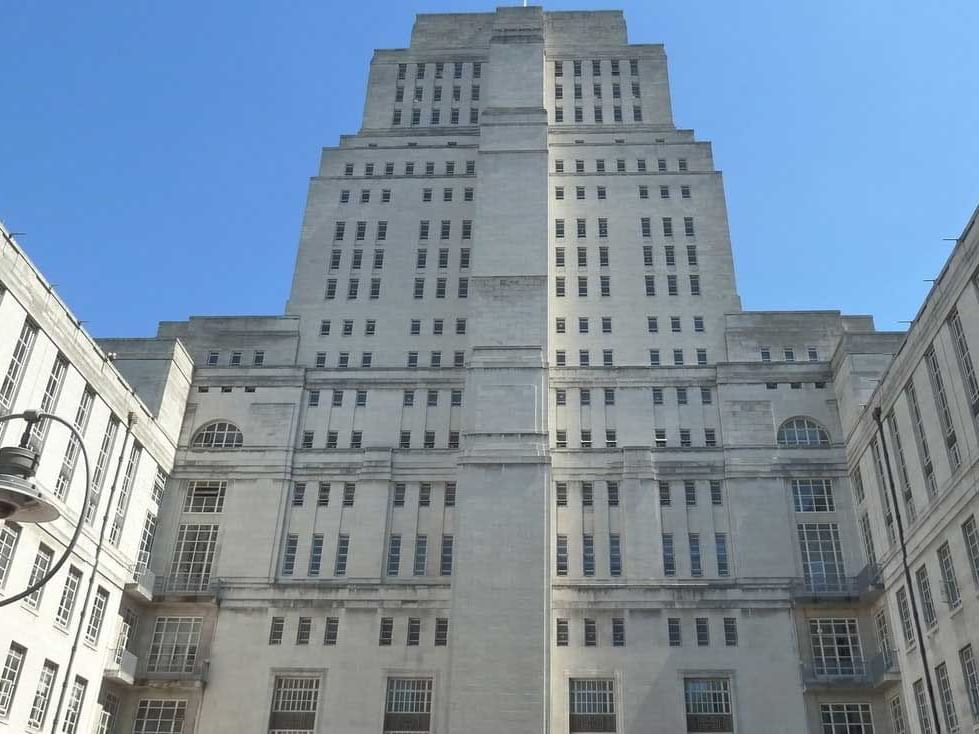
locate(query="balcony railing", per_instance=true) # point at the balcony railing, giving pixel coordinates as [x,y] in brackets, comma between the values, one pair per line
[865,586]
[879,671]
[195,585]
[122,667]
[194,673]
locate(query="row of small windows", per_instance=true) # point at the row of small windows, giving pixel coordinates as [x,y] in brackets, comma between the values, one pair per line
[608,395]
[669,256]
[377,262]
[601,192]
[615,66]
[448,194]
[370,327]
[381,230]
[655,359]
[418,291]
[409,168]
[331,631]
[605,285]
[652,324]
[235,358]
[419,93]
[788,354]
[590,637]
[419,566]
[620,166]
[598,116]
[439,67]
[587,493]
[434,117]
[596,91]
[659,439]
[412,362]
[696,567]
[581,228]
[430,440]
[360,398]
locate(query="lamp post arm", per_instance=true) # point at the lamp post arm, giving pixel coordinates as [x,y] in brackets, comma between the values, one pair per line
[81,515]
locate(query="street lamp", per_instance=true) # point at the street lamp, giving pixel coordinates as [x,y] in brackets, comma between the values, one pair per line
[22,499]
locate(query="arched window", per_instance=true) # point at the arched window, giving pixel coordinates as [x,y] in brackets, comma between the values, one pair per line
[802,431]
[218,435]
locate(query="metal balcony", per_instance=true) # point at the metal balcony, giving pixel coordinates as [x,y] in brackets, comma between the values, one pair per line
[193,675]
[878,672]
[121,668]
[865,587]
[140,588]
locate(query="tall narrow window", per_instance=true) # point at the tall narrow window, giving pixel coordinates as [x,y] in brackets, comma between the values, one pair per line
[15,370]
[445,562]
[394,555]
[588,555]
[965,361]
[561,556]
[949,581]
[68,595]
[822,556]
[970,673]
[614,555]
[67,471]
[42,563]
[669,556]
[927,601]
[10,676]
[720,545]
[421,555]
[921,706]
[42,696]
[943,407]
[73,710]
[902,466]
[949,713]
[343,548]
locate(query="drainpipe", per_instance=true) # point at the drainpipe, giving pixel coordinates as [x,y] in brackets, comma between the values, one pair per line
[907,573]
[130,422]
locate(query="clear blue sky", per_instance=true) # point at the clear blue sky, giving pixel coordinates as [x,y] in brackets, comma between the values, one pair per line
[156,154]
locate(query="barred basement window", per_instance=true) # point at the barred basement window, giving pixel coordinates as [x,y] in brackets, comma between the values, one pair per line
[708,704]
[295,701]
[592,705]
[408,706]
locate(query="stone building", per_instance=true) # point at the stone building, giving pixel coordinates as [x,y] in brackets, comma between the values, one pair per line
[515,459]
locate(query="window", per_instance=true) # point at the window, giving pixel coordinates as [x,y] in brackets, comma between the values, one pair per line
[707,702]
[295,701]
[42,696]
[562,632]
[720,550]
[10,676]
[674,632]
[703,632]
[408,705]
[175,641]
[561,556]
[218,435]
[669,556]
[592,705]
[904,610]
[696,568]
[970,673]
[921,705]
[414,631]
[731,631]
[896,708]
[948,700]
[193,554]
[591,633]
[846,718]
[970,535]
[944,410]
[690,492]
[822,556]
[42,563]
[836,649]
[68,595]
[922,443]
[802,432]
[588,555]
[950,583]
[614,555]
[665,497]
[445,562]
[964,359]
[650,282]
[667,227]
[813,495]
[160,716]
[645,227]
